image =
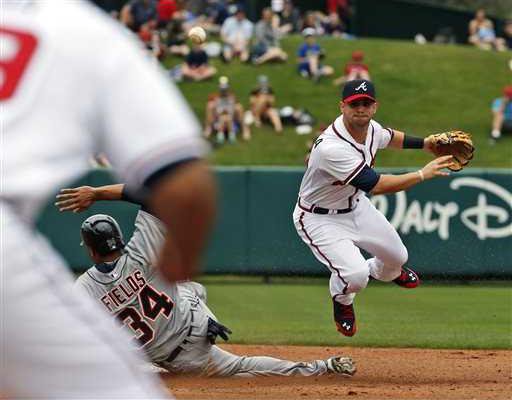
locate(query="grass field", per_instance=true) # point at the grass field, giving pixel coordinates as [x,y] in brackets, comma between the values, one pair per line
[433,316]
[421,89]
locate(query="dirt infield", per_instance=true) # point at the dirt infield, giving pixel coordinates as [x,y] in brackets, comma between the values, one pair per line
[382,374]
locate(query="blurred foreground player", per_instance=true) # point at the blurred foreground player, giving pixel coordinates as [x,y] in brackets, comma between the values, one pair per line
[74,85]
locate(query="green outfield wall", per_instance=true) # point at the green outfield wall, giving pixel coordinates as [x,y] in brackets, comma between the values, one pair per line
[455,226]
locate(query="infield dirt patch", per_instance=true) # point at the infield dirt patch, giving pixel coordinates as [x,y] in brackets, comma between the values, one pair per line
[382,374]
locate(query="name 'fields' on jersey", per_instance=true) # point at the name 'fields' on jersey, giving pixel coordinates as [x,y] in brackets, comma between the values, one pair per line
[124,292]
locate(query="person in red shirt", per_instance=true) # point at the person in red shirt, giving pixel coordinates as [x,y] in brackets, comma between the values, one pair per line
[165,9]
[354,69]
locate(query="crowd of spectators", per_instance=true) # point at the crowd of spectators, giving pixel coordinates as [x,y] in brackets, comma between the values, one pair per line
[162,26]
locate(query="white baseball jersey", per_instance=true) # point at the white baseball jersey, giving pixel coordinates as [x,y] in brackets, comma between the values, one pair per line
[73,84]
[336,239]
[87,88]
[336,158]
[148,306]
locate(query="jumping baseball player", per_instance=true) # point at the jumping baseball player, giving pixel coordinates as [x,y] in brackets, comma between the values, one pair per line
[171,323]
[74,84]
[333,215]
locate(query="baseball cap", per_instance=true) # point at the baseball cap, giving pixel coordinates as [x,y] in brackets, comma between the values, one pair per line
[308,32]
[223,82]
[357,55]
[358,89]
[507,91]
[263,79]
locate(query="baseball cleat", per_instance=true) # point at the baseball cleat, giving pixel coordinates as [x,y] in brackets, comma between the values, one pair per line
[345,318]
[407,279]
[341,365]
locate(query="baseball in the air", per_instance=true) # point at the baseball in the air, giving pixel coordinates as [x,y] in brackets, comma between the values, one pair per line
[197,34]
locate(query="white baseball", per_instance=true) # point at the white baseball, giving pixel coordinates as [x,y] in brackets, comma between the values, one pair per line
[197,34]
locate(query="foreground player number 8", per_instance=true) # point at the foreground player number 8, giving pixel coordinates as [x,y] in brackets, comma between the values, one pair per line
[17,50]
[153,303]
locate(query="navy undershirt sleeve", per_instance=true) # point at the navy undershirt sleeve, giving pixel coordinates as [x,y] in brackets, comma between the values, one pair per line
[366,179]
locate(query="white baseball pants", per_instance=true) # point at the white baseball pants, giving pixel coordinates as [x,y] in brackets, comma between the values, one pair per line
[54,344]
[335,240]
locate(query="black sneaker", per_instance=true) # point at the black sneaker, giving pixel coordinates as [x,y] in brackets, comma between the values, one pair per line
[345,318]
[407,279]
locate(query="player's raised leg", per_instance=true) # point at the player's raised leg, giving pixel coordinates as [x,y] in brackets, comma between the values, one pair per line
[377,236]
[349,270]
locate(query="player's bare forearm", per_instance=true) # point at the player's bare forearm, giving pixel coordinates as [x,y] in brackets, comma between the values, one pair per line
[109,192]
[185,200]
[397,183]
[81,198]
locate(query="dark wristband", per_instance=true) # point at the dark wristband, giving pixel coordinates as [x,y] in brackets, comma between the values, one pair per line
[125,196]
[411,142]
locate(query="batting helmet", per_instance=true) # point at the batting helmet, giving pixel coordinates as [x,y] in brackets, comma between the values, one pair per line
[102,234]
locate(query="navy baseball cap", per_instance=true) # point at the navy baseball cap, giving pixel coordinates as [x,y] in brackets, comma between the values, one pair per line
[358,89]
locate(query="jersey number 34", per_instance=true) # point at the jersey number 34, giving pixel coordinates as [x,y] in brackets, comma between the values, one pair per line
[152,303]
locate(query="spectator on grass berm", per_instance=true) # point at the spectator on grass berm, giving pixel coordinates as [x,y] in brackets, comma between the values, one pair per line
[313,20]
[196,67]
[309,56]
[289,18]
[482,33]
[165,10]
[506,38]
[333,26]
[354,69]
[214,15]
[151,39]
[173,36]
[342,9]
[236,33]
[502,114]
[224,115]
[262,103]
[136,13]
[266,40]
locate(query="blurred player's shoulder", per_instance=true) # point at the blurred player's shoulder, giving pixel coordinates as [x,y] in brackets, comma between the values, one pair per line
[69,25]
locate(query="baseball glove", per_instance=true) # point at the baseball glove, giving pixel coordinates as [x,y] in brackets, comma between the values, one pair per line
[455,143]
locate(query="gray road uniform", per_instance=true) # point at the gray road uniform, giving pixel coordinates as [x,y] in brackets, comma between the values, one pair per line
[168,321]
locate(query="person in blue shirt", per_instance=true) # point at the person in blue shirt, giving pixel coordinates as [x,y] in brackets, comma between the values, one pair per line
[310,54]
[502,114]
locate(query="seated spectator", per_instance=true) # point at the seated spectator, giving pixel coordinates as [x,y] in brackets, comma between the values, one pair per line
[342,9]
[151,39]
[262,103]
[236,33]
[506,40]
[173,36]
[266,40]
[224,115]
[332,25]
[313,20]
[136,13]
[502,114]
[482,34]
[196,67]
[354,69]
[165,10]
[289,18]
[310,53]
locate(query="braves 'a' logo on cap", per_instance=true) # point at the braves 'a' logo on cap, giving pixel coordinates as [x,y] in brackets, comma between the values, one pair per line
[362,86]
